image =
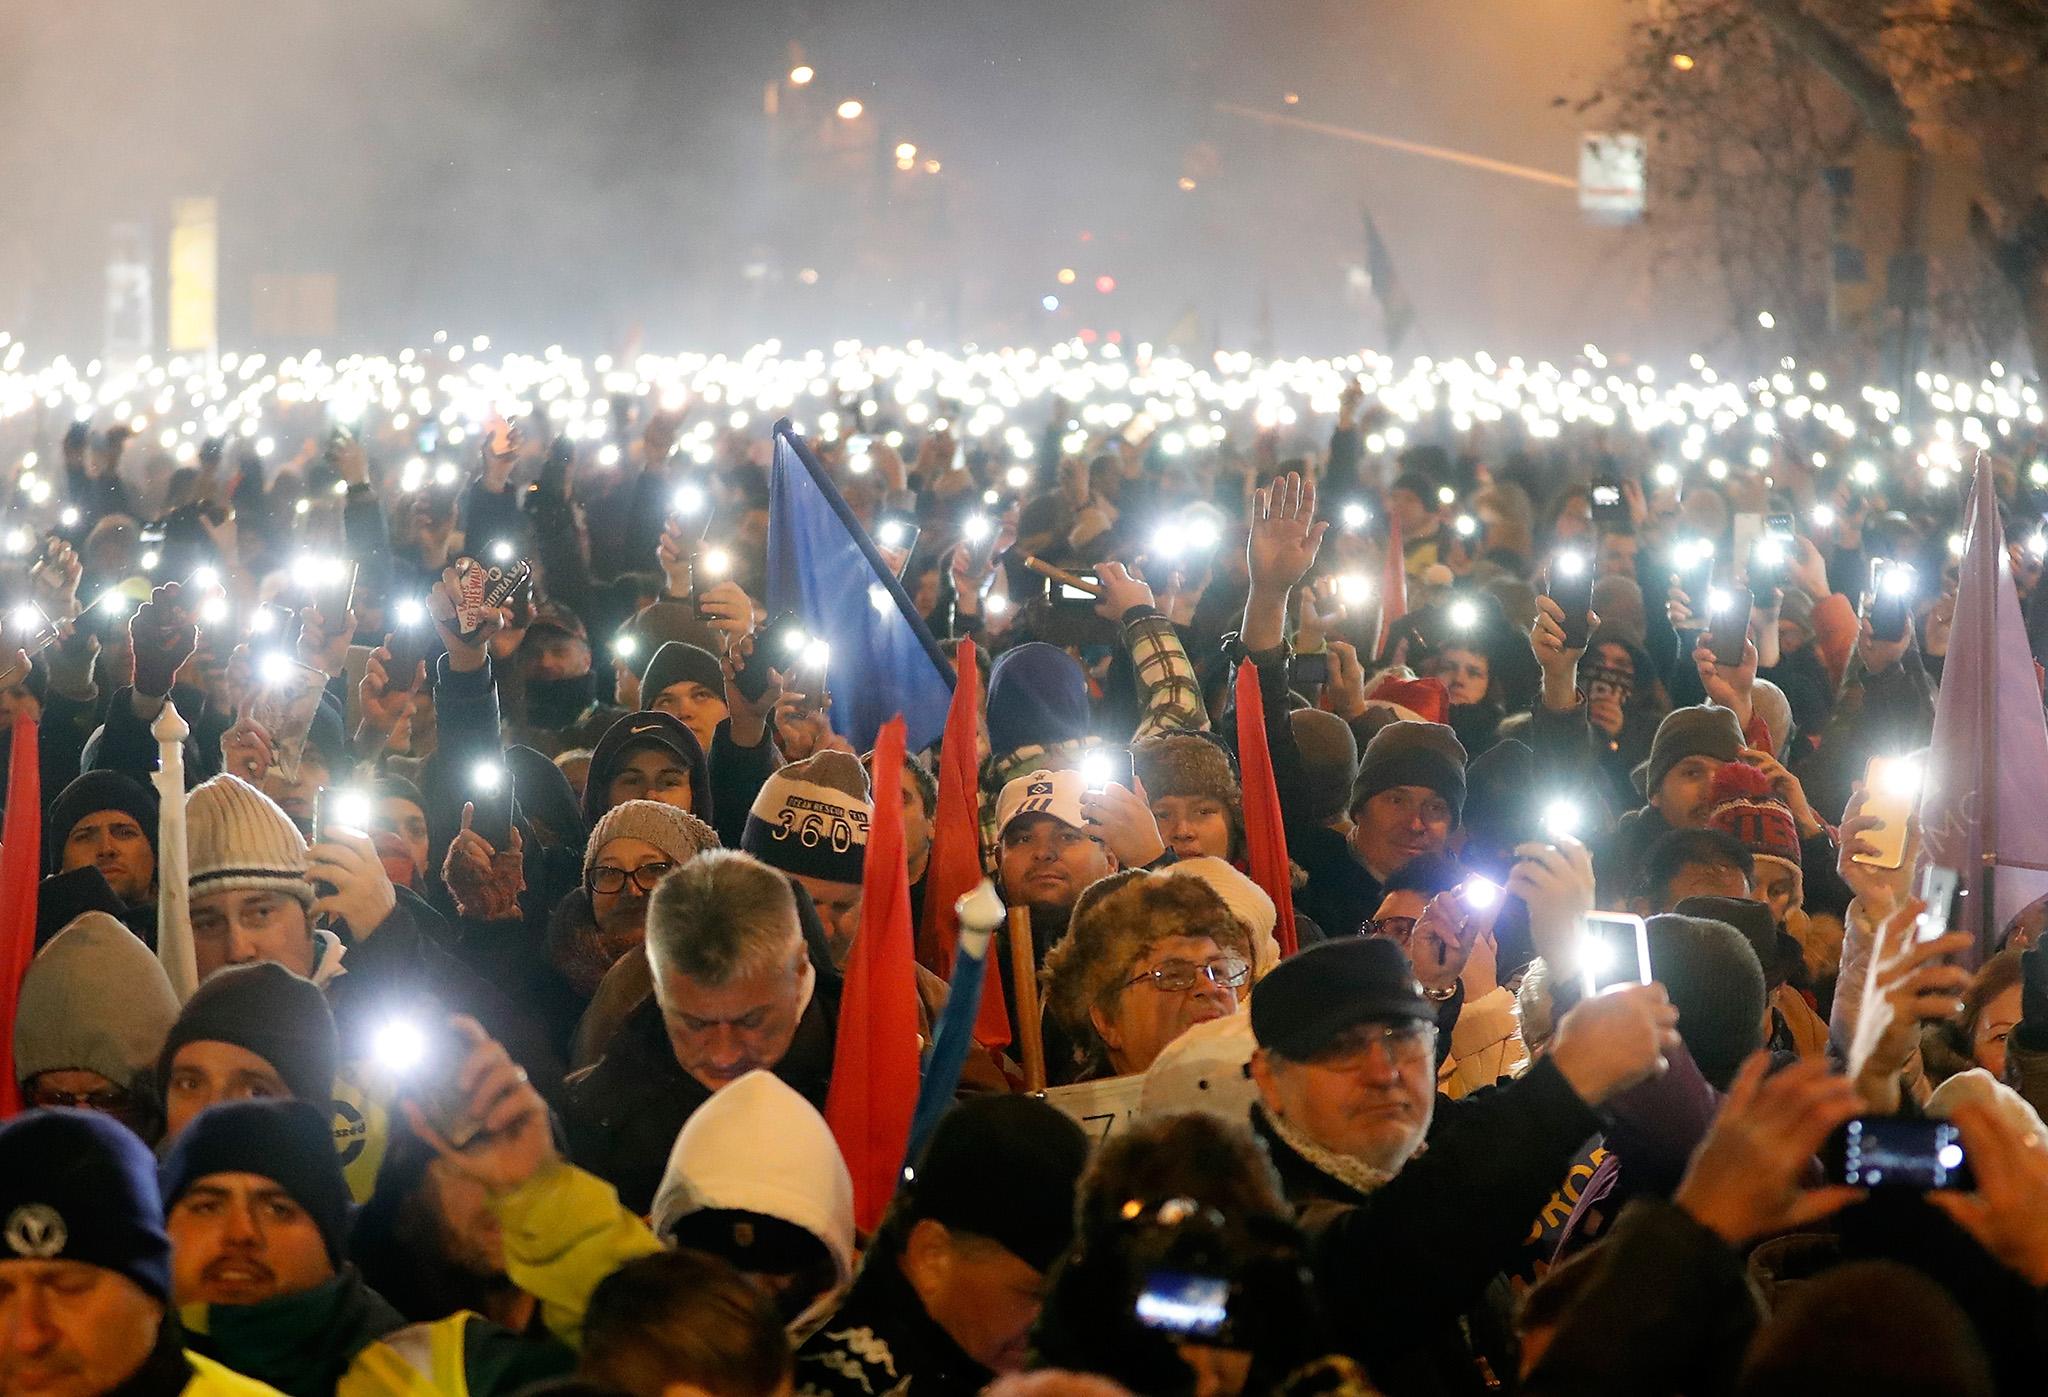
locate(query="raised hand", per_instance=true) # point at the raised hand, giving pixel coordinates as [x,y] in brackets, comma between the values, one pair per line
[1285,533]
[163,636]
[484,881]
[512,1141]
[1744,1181]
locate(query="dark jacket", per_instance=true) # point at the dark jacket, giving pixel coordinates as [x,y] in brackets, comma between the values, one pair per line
[625,1110]
[1618,861]
[1405,1272]
[881,1340]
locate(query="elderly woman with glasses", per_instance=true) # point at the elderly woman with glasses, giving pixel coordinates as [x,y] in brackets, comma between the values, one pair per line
[1146,958]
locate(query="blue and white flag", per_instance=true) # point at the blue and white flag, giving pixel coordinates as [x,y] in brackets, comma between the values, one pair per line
[824,569]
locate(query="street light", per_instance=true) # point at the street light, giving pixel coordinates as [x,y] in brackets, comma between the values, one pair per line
[906,151]
[850,109]
[801,75]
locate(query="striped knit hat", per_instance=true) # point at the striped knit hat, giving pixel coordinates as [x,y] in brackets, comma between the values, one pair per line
[811,819]
[1747,808]
[239,840]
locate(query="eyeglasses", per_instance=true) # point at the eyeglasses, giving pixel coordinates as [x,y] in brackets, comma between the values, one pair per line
[1406,1043]
[109,1101]
[606,879]
[1395,929]
[1177,976]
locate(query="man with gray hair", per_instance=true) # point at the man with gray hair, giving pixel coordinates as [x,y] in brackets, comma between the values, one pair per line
[737,988]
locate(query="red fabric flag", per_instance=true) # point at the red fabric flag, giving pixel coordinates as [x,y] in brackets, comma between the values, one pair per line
[21,864]
[875,1069]
[1265,838]
[954,867]
[1393,589]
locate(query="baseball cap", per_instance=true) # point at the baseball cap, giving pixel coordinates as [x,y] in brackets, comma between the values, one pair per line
[1054,793]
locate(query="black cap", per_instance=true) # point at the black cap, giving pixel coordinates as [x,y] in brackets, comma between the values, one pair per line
[631,733]
[287,1142]
[1312,997]
[1005,1168]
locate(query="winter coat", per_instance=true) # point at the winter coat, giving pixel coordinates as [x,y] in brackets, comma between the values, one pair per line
[881,1341]
[1408,1271]
[624,1111]
[341,1338]
[759,1147]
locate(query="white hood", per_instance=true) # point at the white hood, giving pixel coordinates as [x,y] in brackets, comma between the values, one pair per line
[758,1146]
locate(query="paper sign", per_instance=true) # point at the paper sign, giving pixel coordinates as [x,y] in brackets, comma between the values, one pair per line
[1103,1107]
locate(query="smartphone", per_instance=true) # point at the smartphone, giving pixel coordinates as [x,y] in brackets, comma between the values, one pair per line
[490,791]
[29,629]
[1890,600]
[708,568]
[336,808]
[897,532]
[1609,506]
[1103,767]
[1728,623]
[1310,671]
[1915,1153]
[1938,887]
[1571,587]
[779,646]
[482,587]
[1479,894]
[1614,949]
[1184,1304]
[409,639]
[1692,572]
[421,1056]
[1067,598]
[1891,788]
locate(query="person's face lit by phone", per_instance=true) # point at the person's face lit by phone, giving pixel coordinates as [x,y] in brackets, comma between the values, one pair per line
[650,773]
[206,1072]
[1778,886]
[1465,674]
[1408,510]
[1193,826]
[1396,825]
[251,924]
[1685,796]
[700,709]
[1617,555]
[399,816]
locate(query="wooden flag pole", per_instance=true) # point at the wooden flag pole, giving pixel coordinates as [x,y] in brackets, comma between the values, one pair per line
[1024,971]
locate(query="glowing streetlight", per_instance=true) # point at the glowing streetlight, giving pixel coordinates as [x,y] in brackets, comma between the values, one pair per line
[801,75]
[1066,277]
[1683,62]
[906,151]
[850,109]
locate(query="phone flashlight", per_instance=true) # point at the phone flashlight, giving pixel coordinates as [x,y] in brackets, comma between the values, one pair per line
[977,528]
[400,1047]
[501,551]
[1478,893]
[890,534]
[689,500]
[487,777]
[1353,588]
[1168,541]
[214,610]
[206,579]
[1718,601]
[263,621]
[716,562]
[1768,551]
[18,540]
[150,559]
[1562,819]
[1465,525]
[1903,778]
[1464,615]
[276,667]
[1016,477]
[1571,563]
[1823,516]
[69,518]
[1666,476]
[1354,516]
[2038,545]
[817,655]
[411,611]
[1446,496]
[347,810]
[1898,581]
[625,647]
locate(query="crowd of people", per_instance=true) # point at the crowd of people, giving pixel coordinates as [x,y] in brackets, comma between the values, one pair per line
[524,875]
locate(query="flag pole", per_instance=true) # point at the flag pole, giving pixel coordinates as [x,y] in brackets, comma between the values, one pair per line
[174,948]
[1024,971]
[1987,700]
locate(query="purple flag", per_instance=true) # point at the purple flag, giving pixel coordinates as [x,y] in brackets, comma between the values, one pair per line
[1987,765]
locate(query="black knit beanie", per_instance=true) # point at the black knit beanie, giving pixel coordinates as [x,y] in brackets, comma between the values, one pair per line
[271,1012]
[1413,754]
[678,662]
[288,1142]
[91,793]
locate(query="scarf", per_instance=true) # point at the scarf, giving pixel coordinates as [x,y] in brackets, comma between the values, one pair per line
[300,1344]
[1354,1174]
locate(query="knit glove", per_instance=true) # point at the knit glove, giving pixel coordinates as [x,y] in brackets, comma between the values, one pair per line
[162,637]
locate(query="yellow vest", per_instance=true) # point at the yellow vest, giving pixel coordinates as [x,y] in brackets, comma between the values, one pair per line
[420,1360]
[210,1379]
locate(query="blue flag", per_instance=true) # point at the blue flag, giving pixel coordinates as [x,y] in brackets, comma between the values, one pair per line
[824,569]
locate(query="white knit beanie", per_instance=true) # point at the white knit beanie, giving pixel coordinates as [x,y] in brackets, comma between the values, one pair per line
[677,833]
[239,840]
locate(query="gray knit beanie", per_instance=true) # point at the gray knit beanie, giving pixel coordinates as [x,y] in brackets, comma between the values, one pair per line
[677,662]
[95,1000]
[1329,753]
[1413,754]
[241,841]
[677,833]
[1704,730]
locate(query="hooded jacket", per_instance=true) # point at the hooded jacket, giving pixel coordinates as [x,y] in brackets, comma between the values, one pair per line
[639,729]
[759,1147]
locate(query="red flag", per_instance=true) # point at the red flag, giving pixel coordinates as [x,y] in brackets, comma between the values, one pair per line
[875,1067]
[21,863]
[1393,589]
[954,867]
[1265,838]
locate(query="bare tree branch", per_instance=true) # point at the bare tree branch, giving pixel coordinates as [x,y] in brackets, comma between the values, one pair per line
[1866,86]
